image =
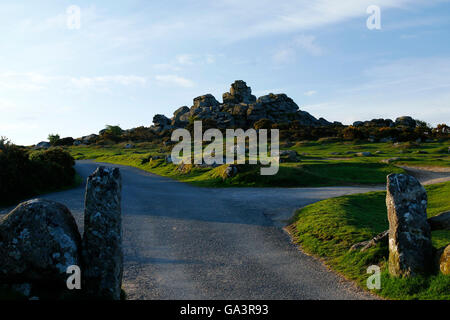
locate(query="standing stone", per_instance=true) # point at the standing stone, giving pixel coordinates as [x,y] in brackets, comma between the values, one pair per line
[102,239]
[410,248]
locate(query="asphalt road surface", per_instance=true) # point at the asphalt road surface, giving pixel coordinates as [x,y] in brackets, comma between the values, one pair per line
[186,242]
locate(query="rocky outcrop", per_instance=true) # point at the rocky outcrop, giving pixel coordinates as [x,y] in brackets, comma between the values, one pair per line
[405,121]
[102,238]
[374,123]
[42,145]
[239,109]
[180,117]
[410,248]
[161,123]
[440,222]
[239,93]
[39,240]
[289,156]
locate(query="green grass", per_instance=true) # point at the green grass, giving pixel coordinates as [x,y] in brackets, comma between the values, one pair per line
[317,168]
[436,152]
[330,227]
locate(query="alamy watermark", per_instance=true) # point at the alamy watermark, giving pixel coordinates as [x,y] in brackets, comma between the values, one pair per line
[259,150]
[73,17]
[374,20]
[374,281]
[74,280]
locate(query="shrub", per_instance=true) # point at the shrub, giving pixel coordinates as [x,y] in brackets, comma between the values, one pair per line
[113,133]
[53,138]
[23,175]
[353,133]
[139,134]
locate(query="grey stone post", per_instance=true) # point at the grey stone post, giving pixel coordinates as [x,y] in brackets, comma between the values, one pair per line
[102,239]
[410,248]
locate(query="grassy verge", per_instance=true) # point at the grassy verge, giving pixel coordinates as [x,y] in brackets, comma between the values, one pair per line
[330,227]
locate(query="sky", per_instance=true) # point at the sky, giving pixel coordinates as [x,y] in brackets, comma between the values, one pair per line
[122,62]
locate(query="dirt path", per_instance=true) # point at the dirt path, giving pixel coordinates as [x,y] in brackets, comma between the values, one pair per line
[429,175]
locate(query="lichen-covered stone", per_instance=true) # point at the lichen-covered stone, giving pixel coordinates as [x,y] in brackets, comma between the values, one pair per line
[102,238]
[39,240]
[410,248]
[444,261]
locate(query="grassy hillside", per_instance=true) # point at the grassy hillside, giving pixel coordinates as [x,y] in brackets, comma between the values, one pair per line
[329,228]
[323,163]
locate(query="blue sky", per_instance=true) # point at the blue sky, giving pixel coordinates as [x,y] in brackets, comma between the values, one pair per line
[131,60]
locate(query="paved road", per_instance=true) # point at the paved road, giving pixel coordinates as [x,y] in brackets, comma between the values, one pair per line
[185,242]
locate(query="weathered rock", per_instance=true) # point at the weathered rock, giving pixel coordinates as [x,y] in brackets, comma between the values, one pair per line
[390,160]
[410,248]
[239,93]
[239,109]
[92,138]
[181,117]
[161,120]
[42,145]
[180,111]
[374,123]
[230,171]
[440,222]
[288,156]
[102,238]
[307,120]
[444,261]
[161,124]
[364,154]
[207,100]
[405,121]
[39,240]
[129,146]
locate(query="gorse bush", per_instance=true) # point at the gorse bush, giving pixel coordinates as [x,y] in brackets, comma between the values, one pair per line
[56,165]
[24,175]
[53,138]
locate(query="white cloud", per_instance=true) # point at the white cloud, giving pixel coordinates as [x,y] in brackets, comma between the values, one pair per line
[309,44]
[29,81]
[310,93]
[185,59]
[287,16]
[174,80]
[284,55]
[288,53]
[84,82]
[32,81]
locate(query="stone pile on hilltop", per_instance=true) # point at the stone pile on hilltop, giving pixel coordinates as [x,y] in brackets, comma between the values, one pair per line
[239,109]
